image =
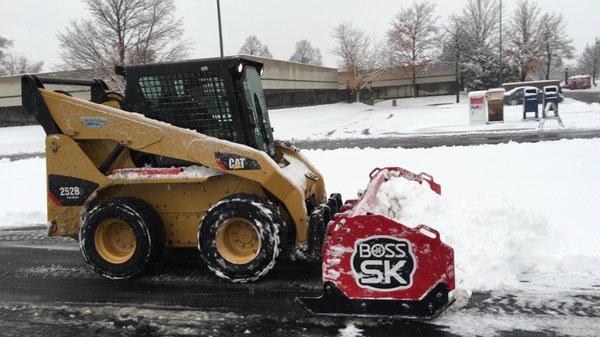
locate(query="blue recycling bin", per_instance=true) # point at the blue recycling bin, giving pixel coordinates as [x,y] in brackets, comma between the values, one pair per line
[551,99]
[530,102]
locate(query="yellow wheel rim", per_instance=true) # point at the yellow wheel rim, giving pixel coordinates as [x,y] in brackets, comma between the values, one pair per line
[237,241]
[115,241]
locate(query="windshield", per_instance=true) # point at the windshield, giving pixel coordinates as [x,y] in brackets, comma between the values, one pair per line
[262,132]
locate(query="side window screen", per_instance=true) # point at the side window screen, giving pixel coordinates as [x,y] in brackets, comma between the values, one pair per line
[150,87]
[193,100]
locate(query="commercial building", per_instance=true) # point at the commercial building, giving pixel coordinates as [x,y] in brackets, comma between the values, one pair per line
[286,84]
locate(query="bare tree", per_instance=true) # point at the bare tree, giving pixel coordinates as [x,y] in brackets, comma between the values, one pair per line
[266,52]
[12,63]
[481,27]
[4,44]
[589,61]
[253,46]
[454,45]
[306,53]
[480,18]
[412,38]
[523,36]
[123,33]
[555,45]
[358,58]
[19,64]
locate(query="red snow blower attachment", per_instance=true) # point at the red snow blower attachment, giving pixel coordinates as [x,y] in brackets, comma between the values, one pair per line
[374,266]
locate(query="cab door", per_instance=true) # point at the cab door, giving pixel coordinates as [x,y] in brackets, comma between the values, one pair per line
[260,128]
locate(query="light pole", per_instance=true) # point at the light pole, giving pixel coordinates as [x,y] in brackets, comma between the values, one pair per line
[501,58]
[220,29]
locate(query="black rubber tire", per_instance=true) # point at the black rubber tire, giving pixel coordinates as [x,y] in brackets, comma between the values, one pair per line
[266,218]
[146,225]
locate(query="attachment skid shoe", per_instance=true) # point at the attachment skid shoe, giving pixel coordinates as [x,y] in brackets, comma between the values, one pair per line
[375,266]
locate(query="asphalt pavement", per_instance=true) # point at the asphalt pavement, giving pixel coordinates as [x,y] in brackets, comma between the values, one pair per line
[450,139]
[47,290]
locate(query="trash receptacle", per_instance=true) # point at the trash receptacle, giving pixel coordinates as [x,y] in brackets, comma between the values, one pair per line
[550,98]
[530,102]
[477,113]
[494,101]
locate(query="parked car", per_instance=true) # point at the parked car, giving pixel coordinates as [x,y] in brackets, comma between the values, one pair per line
[515,96]
[580,82]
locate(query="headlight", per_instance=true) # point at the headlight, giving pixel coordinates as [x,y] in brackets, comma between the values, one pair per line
[262,71]
[240,68]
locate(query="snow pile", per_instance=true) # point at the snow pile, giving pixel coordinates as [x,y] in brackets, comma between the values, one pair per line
[494,241]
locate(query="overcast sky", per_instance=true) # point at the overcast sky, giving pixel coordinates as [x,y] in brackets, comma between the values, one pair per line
[33,24]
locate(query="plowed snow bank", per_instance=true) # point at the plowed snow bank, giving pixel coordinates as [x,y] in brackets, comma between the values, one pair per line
[494,241]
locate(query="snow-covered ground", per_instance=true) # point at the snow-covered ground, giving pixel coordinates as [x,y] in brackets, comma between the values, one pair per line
[412,116]
[511,211]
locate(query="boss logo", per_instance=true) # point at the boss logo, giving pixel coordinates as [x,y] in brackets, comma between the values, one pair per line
[383,263]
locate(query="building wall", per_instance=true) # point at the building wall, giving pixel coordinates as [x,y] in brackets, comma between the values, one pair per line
[397,83]
[281,98]
[285,75]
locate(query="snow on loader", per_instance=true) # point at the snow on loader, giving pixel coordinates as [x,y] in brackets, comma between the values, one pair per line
[186,158]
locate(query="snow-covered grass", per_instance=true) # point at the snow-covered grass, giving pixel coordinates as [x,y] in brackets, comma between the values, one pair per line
[412,116]
[511,211]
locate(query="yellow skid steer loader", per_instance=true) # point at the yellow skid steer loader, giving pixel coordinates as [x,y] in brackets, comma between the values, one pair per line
[186,158]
